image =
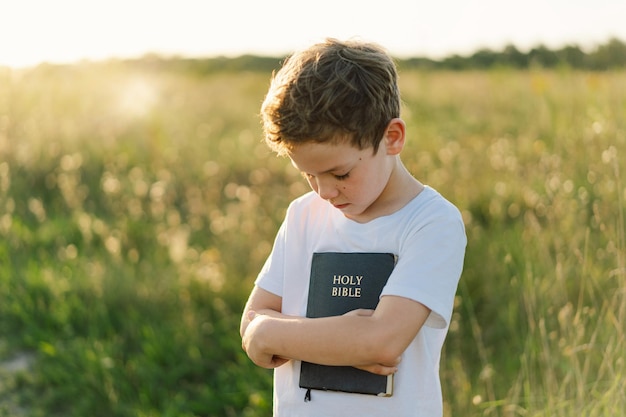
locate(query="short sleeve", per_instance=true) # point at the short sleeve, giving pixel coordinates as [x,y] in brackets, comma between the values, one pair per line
[272,274]
[429,266]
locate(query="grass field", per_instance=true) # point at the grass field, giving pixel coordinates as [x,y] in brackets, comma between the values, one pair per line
[136,207]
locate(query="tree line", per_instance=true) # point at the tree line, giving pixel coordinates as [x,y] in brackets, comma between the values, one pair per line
[607,56]
[611,55]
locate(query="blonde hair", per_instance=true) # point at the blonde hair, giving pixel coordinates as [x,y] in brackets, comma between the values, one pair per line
[329,92]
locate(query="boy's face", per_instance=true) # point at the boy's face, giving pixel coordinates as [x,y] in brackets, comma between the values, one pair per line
[355,181]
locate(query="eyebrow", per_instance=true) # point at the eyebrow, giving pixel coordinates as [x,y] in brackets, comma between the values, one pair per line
[337,168]
[328,171]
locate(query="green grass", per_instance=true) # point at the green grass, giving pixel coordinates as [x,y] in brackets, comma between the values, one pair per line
[136,208]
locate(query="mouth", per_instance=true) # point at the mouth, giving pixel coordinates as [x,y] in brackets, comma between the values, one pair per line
[341,206]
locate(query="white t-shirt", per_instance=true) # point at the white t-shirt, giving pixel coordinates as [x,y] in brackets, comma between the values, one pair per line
[428,237]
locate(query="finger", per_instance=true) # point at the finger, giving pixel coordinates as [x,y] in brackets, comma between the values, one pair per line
[278,361]
[379,369]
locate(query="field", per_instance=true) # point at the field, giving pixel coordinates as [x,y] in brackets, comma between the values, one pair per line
[137,205]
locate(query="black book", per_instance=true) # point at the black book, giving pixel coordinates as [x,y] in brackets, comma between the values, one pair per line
[339,283]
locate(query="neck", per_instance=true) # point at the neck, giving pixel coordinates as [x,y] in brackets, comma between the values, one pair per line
[403,185]
[401,188]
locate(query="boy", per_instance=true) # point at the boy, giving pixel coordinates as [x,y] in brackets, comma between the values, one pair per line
[334,110]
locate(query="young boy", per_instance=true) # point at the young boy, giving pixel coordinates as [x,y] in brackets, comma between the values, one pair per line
[334,110]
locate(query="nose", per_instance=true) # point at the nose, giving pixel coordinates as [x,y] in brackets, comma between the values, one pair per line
[326,188]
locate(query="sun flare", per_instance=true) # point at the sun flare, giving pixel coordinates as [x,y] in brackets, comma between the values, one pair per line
[137,97]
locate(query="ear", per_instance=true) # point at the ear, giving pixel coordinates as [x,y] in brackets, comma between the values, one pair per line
[395,136]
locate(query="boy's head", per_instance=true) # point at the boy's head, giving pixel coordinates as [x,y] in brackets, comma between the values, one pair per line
[332,91]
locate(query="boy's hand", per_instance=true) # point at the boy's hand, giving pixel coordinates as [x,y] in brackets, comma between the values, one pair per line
[252,345]
[375,368]
[379,369]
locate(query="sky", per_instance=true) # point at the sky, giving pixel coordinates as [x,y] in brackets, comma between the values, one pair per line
[62,31]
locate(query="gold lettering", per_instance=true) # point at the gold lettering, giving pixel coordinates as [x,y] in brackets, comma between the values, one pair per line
[347,279]
[347,286]
[350,292]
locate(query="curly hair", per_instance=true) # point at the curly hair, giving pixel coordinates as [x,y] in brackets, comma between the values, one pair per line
[332,91]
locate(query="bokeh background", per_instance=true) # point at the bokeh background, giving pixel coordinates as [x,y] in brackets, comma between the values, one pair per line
[138,201]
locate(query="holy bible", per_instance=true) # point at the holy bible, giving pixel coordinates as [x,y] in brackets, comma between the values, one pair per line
[339,283]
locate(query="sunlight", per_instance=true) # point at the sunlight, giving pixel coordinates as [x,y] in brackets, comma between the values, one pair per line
[67,31]
[137,97]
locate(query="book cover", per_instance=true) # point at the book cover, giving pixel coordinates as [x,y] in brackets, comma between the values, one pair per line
[339,283]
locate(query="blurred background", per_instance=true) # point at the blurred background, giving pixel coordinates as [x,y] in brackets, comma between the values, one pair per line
[66,31]
[138,201]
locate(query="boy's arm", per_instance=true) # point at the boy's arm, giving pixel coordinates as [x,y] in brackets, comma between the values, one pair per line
[262,302]
[266,303]
[352,339]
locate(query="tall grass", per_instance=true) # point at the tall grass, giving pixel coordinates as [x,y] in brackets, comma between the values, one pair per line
[533,159]
[136,208]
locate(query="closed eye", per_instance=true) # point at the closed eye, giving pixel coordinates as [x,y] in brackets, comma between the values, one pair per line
[337,177]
